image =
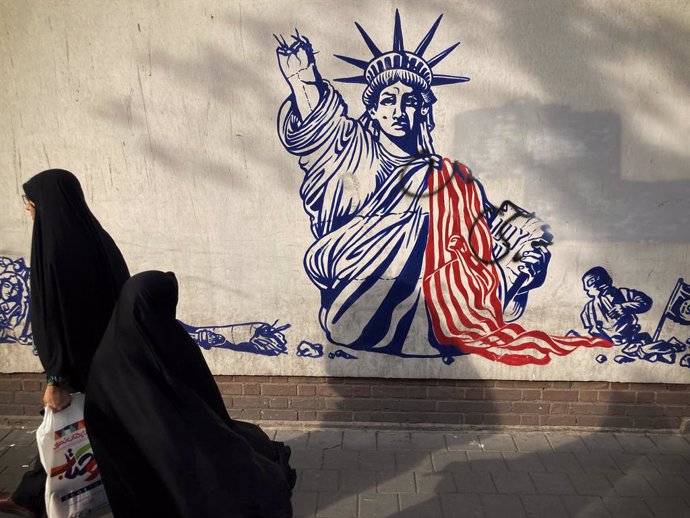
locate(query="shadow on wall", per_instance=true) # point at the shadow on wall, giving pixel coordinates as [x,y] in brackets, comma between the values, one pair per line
[216,143]
[569,162]
[578,152]
[633,57]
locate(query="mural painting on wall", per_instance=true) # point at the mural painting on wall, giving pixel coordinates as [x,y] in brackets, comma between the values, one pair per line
[406,243]
[410,257]
[252,337]
[15,320]
[611,313]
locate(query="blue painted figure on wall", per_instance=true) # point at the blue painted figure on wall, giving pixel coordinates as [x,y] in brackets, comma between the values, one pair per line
[15,321]
[251,337]
[407,245]
[612,312]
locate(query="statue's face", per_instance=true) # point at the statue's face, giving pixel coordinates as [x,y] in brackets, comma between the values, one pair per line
[398,110]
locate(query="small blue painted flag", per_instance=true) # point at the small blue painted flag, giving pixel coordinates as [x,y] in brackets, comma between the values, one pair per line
[679,306]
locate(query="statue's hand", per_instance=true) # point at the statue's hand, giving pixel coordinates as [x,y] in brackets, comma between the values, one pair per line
[530,266]
[295,57]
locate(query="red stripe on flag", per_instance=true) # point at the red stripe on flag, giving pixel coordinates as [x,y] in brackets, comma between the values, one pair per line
[461,292]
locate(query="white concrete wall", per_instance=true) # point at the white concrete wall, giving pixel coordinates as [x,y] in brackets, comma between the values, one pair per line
[166,111]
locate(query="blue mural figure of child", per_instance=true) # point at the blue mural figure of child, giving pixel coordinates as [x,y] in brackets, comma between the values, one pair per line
[611,312]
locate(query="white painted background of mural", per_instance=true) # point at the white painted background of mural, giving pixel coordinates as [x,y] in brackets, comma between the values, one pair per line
[167,114]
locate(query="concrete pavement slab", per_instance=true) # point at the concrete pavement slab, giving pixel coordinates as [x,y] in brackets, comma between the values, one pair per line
[552,484]
[586,507]
[503,506]
[527,442]
[317,480]
[336,505]
[324,440]
[445,460]
[474,482]
[627,507]
[565,442]
[467,505]
[513,483]
[497,442]
[463,442]
[395,482]
[601,441]
[519,461]
[378,506]
[359,440]
[420,505]
[436,482]
[667,443]
[357,481]
[673,507]
[416,460]
[543,506]
[486,461]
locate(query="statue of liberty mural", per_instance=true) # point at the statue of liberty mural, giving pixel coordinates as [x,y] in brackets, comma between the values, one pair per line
[408,252]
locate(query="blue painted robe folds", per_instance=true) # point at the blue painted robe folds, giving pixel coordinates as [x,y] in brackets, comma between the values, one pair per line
[369,216]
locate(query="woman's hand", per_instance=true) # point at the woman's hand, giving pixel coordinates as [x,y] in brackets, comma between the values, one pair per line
[56,398]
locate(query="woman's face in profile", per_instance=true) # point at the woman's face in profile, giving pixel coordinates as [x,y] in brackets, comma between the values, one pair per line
[29,206]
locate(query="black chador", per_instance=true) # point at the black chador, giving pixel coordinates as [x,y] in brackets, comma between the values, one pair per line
[160,432]
[77,272]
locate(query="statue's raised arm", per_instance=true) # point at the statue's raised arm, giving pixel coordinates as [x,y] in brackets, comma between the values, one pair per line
[298,66]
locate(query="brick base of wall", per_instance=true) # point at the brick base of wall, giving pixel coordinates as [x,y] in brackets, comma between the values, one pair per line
[369,401]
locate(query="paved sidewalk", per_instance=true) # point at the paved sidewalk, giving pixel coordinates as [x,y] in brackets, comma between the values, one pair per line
[395,474]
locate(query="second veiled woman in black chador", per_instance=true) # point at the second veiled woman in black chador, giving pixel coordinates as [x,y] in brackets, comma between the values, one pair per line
[164,441]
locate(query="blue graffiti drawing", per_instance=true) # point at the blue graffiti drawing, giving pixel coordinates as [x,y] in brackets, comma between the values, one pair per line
[662,351]
[309,350]
[677,308]
[622,358]
[409,255]
[685,361]
[612,313]
[339,353]
[15,319]
[252,337]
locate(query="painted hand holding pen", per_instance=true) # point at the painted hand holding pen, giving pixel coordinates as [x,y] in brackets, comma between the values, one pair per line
[252,337]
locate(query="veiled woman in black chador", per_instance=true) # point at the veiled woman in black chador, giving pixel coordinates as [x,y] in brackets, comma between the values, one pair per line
[164,441]
[77,272]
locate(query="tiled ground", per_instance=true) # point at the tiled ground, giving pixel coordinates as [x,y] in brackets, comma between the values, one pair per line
[394,474]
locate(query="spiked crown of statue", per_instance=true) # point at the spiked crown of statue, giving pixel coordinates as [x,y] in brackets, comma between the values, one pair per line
[401,59]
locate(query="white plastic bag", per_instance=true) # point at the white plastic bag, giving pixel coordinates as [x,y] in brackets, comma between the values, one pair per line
[74,488]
